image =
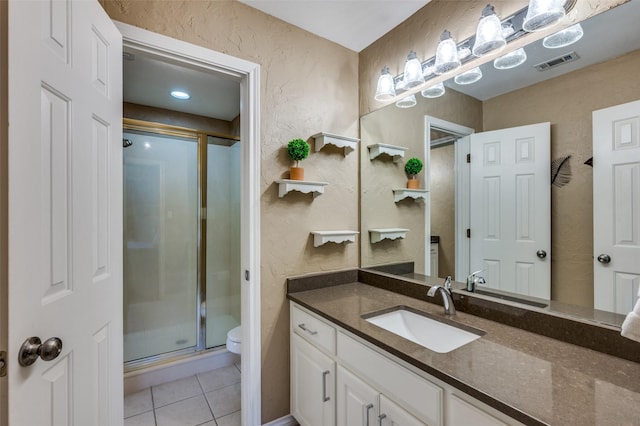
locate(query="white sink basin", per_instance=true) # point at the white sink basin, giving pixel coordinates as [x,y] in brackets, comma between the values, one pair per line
[417,327]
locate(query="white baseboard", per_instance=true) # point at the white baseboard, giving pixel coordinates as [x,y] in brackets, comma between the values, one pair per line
[283,421]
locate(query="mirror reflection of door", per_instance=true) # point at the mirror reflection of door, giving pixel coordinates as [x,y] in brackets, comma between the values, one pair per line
[616,207]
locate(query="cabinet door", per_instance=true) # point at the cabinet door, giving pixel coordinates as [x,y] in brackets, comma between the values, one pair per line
[312,385]
[357,402]
[391,414]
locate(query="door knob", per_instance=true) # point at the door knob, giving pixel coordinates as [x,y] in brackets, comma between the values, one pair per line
[541,254]
[32,348]
[604,258]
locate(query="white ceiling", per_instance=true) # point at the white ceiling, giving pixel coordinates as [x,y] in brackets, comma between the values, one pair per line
[354,24]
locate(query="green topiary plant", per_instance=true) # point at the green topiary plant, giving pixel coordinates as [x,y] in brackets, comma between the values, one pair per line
[298,150]
[413,166]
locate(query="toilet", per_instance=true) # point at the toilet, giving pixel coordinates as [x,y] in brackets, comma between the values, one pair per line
[234,340]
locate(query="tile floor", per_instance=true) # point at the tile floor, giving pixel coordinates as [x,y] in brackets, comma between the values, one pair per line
[207,399]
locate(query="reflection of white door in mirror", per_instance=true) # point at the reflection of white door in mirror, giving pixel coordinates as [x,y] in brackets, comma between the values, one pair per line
[616,207]
[510,209]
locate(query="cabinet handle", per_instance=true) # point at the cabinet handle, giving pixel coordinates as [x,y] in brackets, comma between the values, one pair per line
[312,333]
[368,407]
[381,417]
[325,398]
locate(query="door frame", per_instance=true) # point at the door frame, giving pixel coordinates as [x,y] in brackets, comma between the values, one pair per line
[462,207]
[248,74]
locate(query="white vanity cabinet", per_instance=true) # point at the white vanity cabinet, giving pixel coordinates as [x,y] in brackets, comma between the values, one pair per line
[339,379]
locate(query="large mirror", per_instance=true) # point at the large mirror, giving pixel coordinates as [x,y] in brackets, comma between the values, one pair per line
[429,230]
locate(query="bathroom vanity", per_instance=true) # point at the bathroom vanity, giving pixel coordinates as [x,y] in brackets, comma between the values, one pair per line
[348,371]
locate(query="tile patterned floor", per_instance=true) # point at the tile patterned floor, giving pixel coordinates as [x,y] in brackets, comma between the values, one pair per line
[207,399]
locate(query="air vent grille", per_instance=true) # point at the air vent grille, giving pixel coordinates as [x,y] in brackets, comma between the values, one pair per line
[557,61]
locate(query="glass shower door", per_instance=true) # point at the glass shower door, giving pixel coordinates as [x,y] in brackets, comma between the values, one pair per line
[160,244]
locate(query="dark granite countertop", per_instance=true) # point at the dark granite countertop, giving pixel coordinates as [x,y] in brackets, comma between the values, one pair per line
[530,377]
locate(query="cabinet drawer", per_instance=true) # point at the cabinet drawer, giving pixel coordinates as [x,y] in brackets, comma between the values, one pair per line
[414,393]
[313,329]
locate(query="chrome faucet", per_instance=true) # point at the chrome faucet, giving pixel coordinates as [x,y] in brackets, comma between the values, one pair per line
[445,292]
[473,280]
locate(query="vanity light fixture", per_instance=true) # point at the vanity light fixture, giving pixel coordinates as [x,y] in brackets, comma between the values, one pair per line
[434,91]
[407,102]
[468,77]
[427,71]
[543,13]
[563,38]
[412,71]
[510,60]
[489,35]
[464,52]
[179,94]
[446,55]
[385,89]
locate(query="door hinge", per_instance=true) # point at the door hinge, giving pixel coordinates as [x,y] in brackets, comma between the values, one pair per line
[468,232]
[246,275]
[3,364]
[468,158]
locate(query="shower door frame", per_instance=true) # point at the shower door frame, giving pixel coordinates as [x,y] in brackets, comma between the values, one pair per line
[201,138]
[248,74]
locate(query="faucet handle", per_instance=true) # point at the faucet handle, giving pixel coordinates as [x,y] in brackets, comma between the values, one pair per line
[447,283]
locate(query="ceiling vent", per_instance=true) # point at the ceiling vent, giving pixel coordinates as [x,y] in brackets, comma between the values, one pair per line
[557,61]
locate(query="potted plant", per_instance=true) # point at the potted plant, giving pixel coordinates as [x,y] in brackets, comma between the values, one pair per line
[412,167]
[298,150]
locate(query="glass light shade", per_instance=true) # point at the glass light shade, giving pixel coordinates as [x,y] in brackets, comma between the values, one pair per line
[412,71]
[510,60]
[446,54]
[407,102]
[434,91]
[468,77]
[489,33]
[385,89]
[564,38]
[542,13]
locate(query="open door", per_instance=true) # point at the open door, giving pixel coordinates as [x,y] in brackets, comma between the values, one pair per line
[510,209]
[65,214]
[616,207]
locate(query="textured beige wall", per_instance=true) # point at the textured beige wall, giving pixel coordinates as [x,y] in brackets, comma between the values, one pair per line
[403,127]
[308,85]
[443,206]
[421,32]
[567,102]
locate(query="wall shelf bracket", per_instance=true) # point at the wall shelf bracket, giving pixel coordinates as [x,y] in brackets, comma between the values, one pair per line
[338,237]
[396,152]
[378,235]
[402,193]
[287,185]
[322,139]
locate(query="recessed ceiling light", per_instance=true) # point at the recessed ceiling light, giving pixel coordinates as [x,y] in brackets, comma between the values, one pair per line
[178,94]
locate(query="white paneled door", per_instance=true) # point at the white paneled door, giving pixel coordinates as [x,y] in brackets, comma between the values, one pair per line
[510,209]
[65,213]
[616,207]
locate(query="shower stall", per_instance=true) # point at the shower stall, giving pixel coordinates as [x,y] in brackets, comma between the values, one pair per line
[181,241]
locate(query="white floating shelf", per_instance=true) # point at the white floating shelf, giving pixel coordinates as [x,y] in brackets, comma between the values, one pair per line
[322,139]
[338,237]
[402,193]
[378,235]
[397,152]
[304,186]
